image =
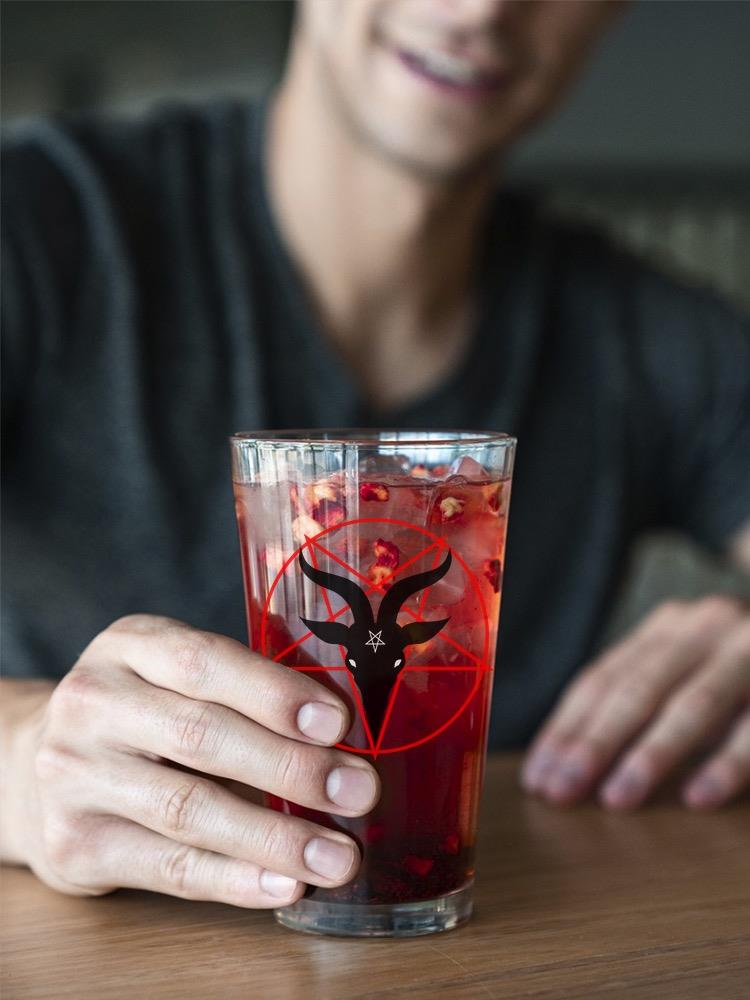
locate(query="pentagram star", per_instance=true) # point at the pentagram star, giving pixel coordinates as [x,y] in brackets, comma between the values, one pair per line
[375,640]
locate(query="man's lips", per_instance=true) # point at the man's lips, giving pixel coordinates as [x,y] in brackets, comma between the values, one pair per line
[453,74]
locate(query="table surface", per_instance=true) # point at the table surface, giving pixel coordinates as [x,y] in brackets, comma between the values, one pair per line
[576,903]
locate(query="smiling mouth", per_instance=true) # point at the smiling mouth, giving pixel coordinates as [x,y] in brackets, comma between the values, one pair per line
[452,73]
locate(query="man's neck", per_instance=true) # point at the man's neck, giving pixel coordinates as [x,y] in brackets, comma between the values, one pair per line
[389,258]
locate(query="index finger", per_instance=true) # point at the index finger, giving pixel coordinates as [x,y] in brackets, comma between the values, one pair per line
[214,668]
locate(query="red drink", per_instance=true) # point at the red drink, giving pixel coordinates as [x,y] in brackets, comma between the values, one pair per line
[427,739]
[330,549]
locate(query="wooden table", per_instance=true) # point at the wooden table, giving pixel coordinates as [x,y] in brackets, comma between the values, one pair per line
[575,903]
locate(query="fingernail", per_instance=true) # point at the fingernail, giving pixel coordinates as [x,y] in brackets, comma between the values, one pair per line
[328,858]
[624,789]
[320,722]
[277,885]
[352,788]
[705,791]
[535,768]
[569,779]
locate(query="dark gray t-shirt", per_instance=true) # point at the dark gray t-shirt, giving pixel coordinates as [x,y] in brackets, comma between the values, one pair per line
[151,308]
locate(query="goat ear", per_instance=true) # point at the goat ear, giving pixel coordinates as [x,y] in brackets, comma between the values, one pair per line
[416,632]
[333,632]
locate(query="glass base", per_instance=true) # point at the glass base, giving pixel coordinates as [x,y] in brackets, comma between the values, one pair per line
[429,916]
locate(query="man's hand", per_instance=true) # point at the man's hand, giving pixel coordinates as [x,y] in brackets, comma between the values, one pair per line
[666,692]
[103,804]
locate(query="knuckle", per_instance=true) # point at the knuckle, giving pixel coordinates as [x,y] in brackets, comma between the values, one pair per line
[114,634]
[275,841]
[78,694]
[177,868]
[196,732]
[181,807]
[276,694]
[294,770]
[131,623]
[142,624]
[51,763]
[195,657]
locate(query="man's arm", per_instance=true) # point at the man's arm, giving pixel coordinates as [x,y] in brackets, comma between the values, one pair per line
[650,703]
[677,688]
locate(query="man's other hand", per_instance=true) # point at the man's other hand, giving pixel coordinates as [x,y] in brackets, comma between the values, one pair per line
[678,686]
[117,774]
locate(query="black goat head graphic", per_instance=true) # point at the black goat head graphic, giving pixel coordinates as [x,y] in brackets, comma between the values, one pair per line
[375,645]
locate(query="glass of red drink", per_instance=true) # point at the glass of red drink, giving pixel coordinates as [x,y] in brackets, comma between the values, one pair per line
[373,562]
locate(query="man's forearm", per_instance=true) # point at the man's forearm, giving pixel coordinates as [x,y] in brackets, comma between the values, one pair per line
[22,705]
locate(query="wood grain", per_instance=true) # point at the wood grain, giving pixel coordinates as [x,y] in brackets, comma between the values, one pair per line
[577,903]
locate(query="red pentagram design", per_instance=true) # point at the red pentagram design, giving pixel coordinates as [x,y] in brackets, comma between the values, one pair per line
[478,665]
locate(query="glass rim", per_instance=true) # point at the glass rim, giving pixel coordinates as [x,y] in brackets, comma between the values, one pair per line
[363,436]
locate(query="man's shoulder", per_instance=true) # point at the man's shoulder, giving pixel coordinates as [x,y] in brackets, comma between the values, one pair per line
[597,277]
[91,188]
[123,141]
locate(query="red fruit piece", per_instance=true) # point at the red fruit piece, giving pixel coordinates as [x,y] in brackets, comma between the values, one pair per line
[386,553]
[374,491]
[492,569]
[451,844]
[329,513]
[418,866]
[493,500]
[420,472]
[374,833]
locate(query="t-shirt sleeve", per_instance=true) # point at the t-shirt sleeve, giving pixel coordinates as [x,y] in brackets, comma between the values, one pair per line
[690,407]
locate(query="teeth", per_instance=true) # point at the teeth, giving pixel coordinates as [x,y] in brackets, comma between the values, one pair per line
[450,68]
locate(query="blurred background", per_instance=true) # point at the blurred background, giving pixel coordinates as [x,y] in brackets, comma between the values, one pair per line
[654,145]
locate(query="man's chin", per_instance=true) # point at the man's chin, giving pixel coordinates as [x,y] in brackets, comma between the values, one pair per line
[426,159]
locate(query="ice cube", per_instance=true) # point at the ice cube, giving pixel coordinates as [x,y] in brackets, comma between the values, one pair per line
[469,468]
[375,466]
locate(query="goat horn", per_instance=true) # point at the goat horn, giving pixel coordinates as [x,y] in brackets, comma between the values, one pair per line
[352,593]
[398,593]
